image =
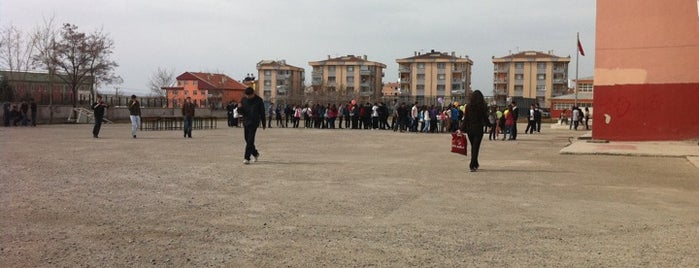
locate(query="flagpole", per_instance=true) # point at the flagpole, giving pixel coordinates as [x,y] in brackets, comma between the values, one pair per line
[577,62]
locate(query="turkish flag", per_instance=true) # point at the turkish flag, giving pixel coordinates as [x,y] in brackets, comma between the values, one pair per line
[580,49]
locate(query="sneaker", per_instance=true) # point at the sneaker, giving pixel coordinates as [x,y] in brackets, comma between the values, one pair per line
[254,157]
[245,161]
[134,136]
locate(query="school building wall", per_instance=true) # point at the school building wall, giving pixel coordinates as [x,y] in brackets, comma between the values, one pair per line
[646,70]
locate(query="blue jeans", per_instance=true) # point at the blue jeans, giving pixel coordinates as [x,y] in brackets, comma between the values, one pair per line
[135,123]
[188,126]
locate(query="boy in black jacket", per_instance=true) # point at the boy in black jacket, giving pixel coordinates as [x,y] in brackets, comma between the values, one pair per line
[253,110]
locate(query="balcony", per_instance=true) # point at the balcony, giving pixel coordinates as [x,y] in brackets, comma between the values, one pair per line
[499,92]
[458,92]
[559,70]
[365,72]
[458,70]
[500,81]
[317,82]
[404,69]
[405,80]
[559,81]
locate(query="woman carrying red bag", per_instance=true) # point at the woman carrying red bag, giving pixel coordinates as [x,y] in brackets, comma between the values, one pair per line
[475,119]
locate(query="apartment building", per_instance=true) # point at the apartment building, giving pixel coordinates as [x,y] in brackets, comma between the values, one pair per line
[427,77]
[530,75]
[348,77]
[280,82]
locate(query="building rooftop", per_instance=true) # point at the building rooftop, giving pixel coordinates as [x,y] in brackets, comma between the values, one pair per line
[530,54]
[435,55]
[344,59]
[276,63]
[212,81]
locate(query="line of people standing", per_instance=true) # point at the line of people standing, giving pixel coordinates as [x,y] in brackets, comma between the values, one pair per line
[22,115]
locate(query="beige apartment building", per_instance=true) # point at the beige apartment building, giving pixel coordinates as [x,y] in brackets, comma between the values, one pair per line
[347,77]
[280,82]
[530,75]
[426,78]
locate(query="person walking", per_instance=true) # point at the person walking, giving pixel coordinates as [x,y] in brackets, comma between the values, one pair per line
[253,110]
[188,109]
[98,107]
[135,115]
[475,118]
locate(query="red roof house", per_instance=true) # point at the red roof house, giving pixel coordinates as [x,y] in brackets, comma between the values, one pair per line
[205,89]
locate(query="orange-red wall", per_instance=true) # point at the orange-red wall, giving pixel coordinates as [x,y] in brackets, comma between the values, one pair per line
[646,70]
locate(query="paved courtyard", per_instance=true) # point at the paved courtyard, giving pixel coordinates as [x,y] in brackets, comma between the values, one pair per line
[335,198]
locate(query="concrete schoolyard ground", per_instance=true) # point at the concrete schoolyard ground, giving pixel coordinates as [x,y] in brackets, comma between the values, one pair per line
[336,198]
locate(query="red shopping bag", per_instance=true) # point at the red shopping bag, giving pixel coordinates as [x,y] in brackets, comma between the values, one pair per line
[459,143]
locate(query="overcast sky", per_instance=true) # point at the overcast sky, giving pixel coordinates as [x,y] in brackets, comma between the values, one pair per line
[231,36]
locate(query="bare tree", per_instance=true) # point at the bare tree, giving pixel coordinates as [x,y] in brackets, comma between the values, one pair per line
[16,49]
[159,79]
[80,57]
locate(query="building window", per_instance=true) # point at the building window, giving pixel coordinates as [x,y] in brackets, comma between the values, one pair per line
[441,65]
[541,77]
[331,79]
[441,88]
[421,65]
[541,65]
[420,76]
[331,69]
[519,91]
[441,76]
[268,82]
[268,72]
[519,77]
[350,68]
[350,80]
[420,87]
[519,65]
[541,88]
